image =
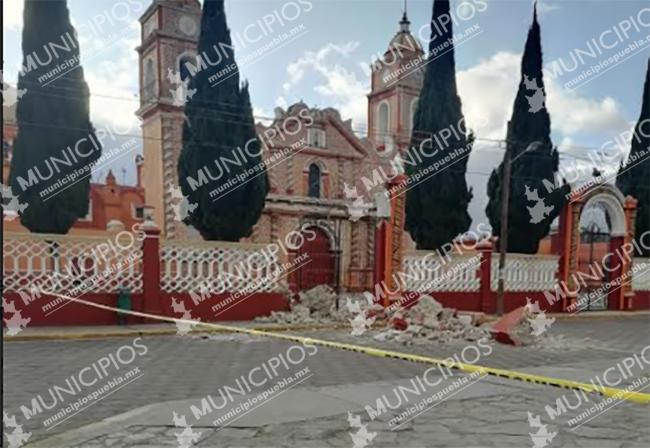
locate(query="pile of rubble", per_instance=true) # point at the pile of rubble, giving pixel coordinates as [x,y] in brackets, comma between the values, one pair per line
[428,321]
[424,322]
[317,305]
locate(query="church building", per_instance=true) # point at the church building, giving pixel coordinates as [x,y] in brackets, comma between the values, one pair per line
[317,185]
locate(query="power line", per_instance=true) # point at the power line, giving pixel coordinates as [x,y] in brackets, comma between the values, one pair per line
[216,145]
[359,130]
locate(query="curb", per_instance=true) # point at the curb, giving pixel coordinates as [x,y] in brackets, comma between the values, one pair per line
[595,315]
[585,315]
[198,329]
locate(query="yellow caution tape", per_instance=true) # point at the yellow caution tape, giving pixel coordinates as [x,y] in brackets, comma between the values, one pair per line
[619,394]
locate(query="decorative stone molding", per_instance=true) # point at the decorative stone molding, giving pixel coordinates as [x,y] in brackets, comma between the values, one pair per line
[641,274]
[224,266]
[526,272]
[62,262]
[426,272]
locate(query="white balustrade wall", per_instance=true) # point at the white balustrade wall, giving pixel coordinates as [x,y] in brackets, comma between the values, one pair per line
[426,271]
[526,272]
[219,267]
[641,274]
[71,263]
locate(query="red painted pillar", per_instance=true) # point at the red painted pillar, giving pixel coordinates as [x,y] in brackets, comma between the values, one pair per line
[569,249]
[559,247]
[630,207]
[380,249]
[151,268]
[394,228]
[487,299]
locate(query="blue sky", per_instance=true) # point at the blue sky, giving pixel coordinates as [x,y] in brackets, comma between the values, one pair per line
[325,65]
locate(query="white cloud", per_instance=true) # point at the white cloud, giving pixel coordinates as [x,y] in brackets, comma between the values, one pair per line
[571,113]
[488,90]
[113,85]
[544,7]
[341,88]
[12,14]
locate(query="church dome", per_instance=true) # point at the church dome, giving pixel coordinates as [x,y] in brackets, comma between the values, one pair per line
[404,41]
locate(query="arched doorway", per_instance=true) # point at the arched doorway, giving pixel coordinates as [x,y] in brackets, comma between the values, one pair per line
[597,225]
[317,262]
[594,271]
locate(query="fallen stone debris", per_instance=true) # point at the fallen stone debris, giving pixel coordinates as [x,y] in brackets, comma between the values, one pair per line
[316,305]
[425,322]
[428,321]
[422,323]
[523,326]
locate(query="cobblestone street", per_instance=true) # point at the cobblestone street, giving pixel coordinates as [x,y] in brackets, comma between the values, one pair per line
[176,372]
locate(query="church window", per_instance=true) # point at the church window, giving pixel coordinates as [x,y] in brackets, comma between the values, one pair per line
[314,181]
[316,138]
[383,120]
[184,63]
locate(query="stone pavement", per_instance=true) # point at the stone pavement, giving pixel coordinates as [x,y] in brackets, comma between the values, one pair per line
[177,371]
[489,414]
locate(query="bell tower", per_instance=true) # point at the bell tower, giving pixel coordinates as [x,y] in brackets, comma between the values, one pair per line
[169,37]
[396,81]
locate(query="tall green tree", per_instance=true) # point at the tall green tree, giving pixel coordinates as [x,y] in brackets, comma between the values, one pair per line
[536,199]
[436,208]
[634,177]
[219,121]
[55,136]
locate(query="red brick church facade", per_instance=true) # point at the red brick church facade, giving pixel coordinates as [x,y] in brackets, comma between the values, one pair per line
[321,162]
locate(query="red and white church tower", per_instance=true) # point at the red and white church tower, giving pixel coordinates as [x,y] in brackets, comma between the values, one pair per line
[396,82]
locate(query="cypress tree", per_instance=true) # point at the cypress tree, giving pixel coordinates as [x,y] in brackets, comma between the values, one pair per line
[534,204]
[634,177]
[219,121]
[436,208]
[53,123]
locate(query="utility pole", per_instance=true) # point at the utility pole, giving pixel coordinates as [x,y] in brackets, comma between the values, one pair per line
[503,236]
[505,209]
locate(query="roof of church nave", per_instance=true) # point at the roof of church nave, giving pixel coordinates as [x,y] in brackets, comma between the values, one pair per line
[326,115]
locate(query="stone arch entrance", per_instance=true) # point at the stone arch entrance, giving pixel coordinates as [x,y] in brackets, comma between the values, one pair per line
[317,261]
[595,227]
[605,278]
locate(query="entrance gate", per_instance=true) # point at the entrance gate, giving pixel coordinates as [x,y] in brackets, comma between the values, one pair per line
[592,258]
[317,268]
[615,263]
